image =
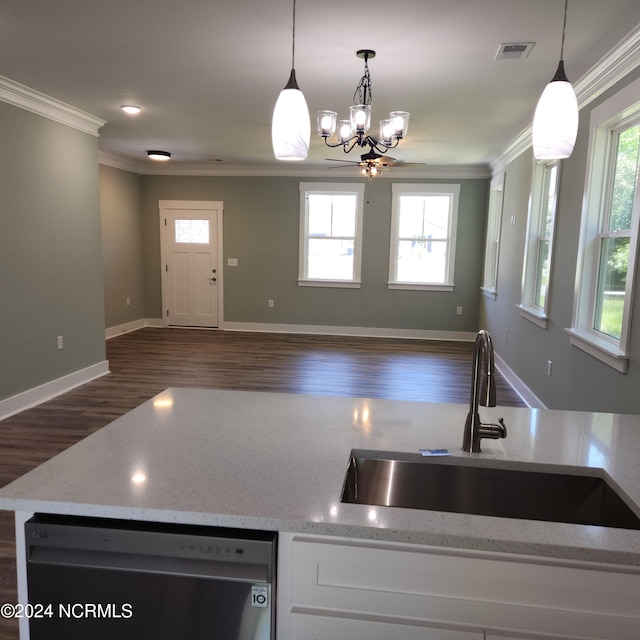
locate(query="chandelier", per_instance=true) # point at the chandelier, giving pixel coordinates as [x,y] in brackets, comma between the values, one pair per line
[353,132]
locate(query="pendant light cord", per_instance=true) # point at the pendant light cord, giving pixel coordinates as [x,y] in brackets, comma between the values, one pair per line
[564,28]
[293,46]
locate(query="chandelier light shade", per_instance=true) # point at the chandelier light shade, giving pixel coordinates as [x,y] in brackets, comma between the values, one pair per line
[555,122]
[353,132]
[291,126]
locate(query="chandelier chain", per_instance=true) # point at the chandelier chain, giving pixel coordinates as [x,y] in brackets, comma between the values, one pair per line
[363,93]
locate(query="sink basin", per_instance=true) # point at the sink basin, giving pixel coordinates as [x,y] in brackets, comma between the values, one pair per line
[491,489]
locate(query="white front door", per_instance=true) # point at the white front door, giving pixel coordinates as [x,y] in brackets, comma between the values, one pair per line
[192,270]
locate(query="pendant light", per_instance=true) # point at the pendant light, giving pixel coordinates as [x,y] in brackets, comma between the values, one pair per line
[555,123]
[291,126]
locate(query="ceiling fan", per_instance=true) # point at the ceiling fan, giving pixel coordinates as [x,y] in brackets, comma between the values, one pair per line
[372,163]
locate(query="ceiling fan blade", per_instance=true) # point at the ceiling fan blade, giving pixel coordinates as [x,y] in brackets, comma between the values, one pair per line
[343,161]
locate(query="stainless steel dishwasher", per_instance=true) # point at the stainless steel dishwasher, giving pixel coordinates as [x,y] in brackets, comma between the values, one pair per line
[111,579]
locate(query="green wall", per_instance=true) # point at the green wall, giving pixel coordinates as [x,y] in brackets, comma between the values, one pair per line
[261,221]
[122,242]
[578,381]
[50,251]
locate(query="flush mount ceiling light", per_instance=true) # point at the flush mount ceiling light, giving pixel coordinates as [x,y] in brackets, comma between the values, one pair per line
[131,109]
[291,126]
[353,132]
[160,156]
[555,123]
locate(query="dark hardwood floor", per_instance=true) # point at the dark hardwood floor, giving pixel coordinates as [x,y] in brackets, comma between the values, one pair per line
[146,362]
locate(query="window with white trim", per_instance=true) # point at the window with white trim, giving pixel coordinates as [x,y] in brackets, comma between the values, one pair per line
[330,234]
[423,236]
[605,278]
[538,251]
[492,239]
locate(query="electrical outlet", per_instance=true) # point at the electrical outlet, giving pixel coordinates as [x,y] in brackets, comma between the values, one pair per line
[270,303]
[60,342]
[128,301]
[458,311]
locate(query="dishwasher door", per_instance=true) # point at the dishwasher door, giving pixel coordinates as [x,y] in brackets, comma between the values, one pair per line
[98,579]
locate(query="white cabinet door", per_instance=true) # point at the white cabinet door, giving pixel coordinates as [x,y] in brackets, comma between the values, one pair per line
[321,627]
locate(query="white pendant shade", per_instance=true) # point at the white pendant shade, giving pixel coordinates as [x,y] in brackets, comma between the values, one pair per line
[291,125]
[555,123]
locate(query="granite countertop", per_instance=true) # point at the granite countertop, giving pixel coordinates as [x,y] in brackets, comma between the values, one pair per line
[277,461]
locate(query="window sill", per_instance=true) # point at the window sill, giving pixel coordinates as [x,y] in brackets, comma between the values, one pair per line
[534,315]
[489,292]
[600,349]
[342,284]
[416,286]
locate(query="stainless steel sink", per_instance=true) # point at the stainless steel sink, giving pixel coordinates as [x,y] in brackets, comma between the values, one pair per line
[490,489]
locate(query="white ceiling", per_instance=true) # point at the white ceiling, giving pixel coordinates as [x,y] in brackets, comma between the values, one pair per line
[207,72]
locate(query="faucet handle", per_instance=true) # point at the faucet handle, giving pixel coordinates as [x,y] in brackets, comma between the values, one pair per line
[493,431]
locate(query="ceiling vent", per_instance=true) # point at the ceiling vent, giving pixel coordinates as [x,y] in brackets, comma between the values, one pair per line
[514,50]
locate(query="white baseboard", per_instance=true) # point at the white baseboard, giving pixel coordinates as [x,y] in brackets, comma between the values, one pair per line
[369,332]
[134,325]
[49,390]
[527,396]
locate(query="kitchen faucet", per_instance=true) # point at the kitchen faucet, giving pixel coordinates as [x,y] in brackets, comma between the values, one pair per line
[483,391]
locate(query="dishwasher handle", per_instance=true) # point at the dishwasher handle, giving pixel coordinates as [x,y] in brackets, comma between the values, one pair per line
[144,563]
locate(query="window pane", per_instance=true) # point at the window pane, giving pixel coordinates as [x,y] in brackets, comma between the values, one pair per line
[437,216]
[319,215]
[330,259]
[550,202]
[542,274]
[192,231]
[625,179]
[332,215]
[612,277]
[422,261]
[411,218]
[424,217]
[344,215]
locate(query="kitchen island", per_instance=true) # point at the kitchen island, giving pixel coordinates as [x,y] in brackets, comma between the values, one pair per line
[253,460]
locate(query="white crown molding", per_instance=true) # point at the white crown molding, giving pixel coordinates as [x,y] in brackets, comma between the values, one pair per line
[310,171]
[615,65]
[286,170]
[21,96]
[119,162]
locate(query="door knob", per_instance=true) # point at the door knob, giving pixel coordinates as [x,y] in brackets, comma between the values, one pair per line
[212,279]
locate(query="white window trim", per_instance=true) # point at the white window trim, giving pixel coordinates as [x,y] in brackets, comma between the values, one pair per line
[493,235]
[324,188]
[426,189]
[611,114]
[528,309]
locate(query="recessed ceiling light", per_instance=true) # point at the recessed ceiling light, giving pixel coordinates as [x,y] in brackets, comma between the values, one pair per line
[130,109]
[161,156]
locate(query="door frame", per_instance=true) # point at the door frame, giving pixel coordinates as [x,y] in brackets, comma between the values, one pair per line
[165,206]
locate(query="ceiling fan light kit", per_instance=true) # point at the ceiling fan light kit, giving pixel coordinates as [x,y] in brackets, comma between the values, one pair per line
[555,122]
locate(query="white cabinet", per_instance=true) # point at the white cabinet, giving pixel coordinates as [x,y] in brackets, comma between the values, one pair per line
[320,627]
[332,588]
